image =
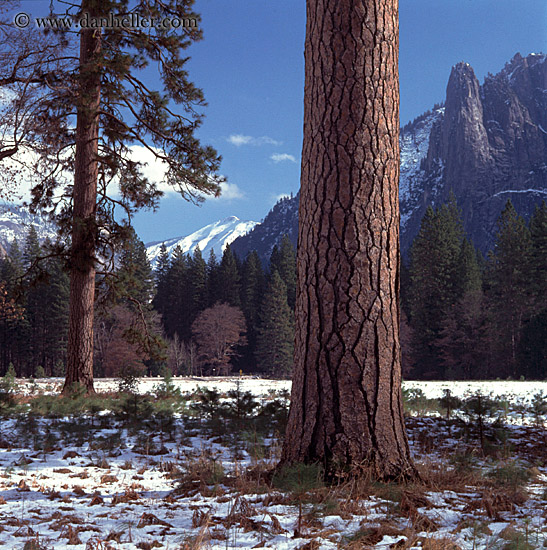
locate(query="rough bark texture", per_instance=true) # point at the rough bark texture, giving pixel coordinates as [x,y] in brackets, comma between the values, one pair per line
[84,229]
[346,409]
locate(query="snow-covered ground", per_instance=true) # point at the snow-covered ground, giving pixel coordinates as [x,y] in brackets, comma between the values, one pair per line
[512,390]
[77,483]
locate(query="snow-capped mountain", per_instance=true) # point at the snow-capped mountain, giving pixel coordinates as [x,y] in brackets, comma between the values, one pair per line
[214,236]
[15,222]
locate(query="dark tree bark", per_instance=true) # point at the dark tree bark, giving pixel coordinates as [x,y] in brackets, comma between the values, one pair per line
[346,410]
[84,226]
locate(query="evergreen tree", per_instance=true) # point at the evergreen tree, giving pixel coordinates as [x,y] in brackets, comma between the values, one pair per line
[532,352]
[91,123]
[508,287]
[253,284]
[32,249]
[435,283]
[229,278]
[134,283]
[14,332]
[33,327]
[252,290]
[275,338]
[538,256]
[469,276]
[532,349]
[214,294]
[283,259]
[197,275]
[176,318]
[56,296]
[161,297]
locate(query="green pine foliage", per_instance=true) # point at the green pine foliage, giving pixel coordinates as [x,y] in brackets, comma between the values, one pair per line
[508,287]
[160,301]
[465,317]
[159,119]
[133,283]
[252,290]
[38,283]
[537,270]
[229,279]
[275,339]
[283,259]
[213,280]
[471,318]
[434,290]
[197,274]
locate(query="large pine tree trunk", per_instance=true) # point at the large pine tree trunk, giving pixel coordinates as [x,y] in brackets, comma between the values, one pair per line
[346,410]
[84,229]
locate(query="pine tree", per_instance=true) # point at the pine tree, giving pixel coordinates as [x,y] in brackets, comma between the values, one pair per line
[435,283]
[275,338]
[283,259]
[508,287]
[114,111]
[12,267]
[462,340]
[134,281]
[253,284]
[213,280]
[469,276]
[176,318]
[538,256]
[34,328]
[55,304]
[346,405]
[32,249]
[252,290]
[229,279]
[161,296]
[197,276]
[532,349]
[14,332]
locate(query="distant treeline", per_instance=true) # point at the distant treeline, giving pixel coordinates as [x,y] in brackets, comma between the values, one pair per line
[463,316]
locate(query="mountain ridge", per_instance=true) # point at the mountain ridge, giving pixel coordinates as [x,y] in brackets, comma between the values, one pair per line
[214,236]
[485,143]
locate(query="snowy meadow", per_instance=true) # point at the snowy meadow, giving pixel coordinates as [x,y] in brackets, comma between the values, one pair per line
[188,464]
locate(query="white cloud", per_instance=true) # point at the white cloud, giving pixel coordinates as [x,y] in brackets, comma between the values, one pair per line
[155,172]
[282,157]
[230,191]
[153,169]
[240,139]
[19,180]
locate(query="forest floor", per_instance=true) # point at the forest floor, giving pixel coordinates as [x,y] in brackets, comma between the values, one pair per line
[187,465]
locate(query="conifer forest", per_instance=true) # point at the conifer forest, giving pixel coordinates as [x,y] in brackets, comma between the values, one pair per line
[464,316]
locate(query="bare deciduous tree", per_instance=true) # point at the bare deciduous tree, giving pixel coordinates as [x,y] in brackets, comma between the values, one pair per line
[218,331]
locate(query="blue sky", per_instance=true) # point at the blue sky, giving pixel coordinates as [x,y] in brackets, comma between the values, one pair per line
[250,66]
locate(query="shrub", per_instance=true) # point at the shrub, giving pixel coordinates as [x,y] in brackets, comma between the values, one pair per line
[478,408]
[511,474]
[415,401]
[449,402]
[299,478]
[40,372]
[7,390]
[539,407]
